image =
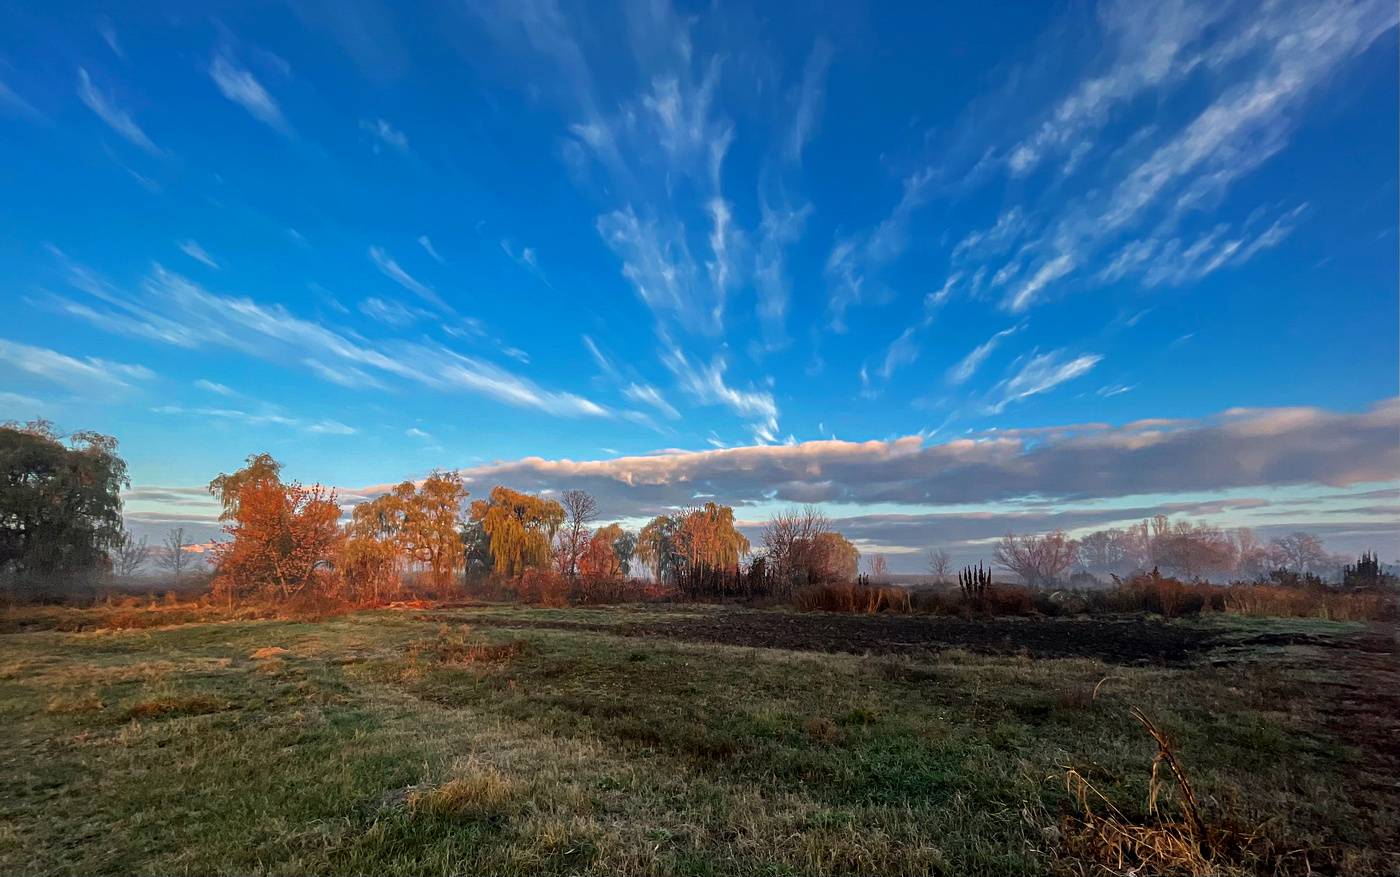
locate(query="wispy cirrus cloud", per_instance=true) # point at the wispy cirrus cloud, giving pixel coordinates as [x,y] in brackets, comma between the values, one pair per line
[391,269]
[705,384]
[392,313]
[240,86]
[1131,204]
[192,249]
[1039,374]
[215,387]
[853,265]
[427,244]
[78,375]
[10,100]
[646,394]
[969,364]
[259,419]
[117,119]
[385,135]
[172,309]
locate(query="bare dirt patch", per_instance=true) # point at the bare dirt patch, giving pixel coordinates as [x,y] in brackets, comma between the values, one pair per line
[1116,641]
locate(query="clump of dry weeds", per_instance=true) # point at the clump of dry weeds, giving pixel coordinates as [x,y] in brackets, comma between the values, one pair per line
[65,704]
[480,796]
[457,647]
[172,705]
[1109,843]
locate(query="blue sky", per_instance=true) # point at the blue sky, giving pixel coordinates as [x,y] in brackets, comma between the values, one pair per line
[377,240]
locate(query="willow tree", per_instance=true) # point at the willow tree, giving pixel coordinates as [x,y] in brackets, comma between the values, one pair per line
[60,506]
[656,547]
[696,539]
[432,520]
[839,559]
[521,527]
[707,538]
[372,560]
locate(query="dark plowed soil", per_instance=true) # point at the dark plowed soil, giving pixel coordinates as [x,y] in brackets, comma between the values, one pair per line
[1126,641]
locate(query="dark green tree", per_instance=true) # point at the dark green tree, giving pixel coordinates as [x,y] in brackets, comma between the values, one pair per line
[60,499]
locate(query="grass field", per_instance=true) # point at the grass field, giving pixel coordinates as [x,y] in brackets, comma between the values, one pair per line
[637,740]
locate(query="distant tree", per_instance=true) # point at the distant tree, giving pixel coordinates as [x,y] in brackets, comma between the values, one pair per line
[599,559]
[130,553]
[625,547]
[878,569]
[172,557]
[1299,551]
[656,547]
[580,510]
[707,539]
[939,563]
[793,547]
[60,505]
[1195,550]
[372,559]
[1038,560]
[834,557]
[521,527]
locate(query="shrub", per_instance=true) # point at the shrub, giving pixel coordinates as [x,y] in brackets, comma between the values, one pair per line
[852,598]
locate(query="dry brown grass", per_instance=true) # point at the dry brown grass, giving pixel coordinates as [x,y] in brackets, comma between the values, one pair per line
[1280,602]
[852,598]
[480,796]
[66,704]
[1109,843]
[457,647]
[170,706]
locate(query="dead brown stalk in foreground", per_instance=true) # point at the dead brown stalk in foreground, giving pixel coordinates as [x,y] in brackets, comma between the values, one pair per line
[1188,797]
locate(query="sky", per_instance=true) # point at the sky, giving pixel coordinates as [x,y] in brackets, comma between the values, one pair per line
[948,270]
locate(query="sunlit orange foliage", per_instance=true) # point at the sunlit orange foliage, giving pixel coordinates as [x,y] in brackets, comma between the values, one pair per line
[599,560]
[283,541]
[707,538]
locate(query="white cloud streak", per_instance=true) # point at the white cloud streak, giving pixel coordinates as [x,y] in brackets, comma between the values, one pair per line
[241,87]
[117,119]
[192,249]
[78,375]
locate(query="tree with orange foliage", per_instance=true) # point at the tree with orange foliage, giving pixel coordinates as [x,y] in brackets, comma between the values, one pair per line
[599,559]
[282,540]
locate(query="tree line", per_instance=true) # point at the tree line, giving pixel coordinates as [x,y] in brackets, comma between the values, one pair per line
[60,512]
[1193,550]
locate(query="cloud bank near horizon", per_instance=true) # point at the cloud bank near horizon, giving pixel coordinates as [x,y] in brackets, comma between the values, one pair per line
[973,488]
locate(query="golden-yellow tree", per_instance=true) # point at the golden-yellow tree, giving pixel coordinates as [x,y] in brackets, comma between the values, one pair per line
[430,523]
[706,538]
[521,527]
[257,469]
[372,560]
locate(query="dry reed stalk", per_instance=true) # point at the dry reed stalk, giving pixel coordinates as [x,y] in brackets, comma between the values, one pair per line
[1188,797]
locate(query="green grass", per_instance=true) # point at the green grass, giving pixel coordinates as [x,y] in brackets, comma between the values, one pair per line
[368,750]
